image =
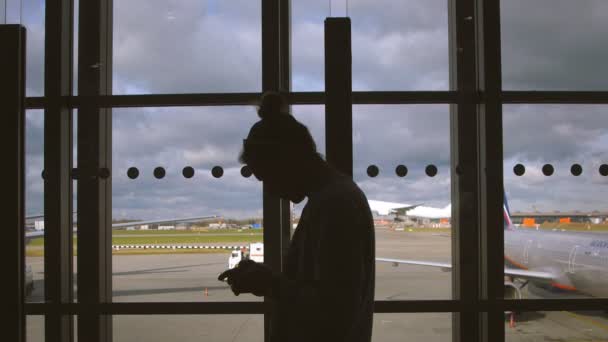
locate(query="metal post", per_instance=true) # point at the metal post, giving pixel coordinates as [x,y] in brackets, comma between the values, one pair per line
[338,98]
[94,165]
[491,195]
[274,207]
[12,95]
[285,87]
[58,166]
[464,159]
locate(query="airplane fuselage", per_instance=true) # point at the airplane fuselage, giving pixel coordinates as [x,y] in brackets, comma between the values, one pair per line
[579,260]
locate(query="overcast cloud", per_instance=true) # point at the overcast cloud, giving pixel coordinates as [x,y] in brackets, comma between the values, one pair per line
[179,46]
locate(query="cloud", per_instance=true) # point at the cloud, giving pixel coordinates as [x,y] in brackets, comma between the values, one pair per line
[184,46]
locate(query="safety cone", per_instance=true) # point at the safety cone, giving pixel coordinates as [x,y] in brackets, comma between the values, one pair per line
[512,320]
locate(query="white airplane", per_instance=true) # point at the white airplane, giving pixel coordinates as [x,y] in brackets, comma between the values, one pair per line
[415,210]
[559,261]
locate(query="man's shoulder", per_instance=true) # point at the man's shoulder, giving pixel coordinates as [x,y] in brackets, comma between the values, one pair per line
[343,191]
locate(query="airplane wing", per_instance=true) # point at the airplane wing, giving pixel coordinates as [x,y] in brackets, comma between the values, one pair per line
[512,272]
[39,233]
[443,265]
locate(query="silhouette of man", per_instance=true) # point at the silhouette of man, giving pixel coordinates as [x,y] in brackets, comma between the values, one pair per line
[326,292]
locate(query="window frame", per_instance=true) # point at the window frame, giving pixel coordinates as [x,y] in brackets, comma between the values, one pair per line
[475,98]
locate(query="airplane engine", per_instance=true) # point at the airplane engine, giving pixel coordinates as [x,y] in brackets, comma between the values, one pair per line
[512,291]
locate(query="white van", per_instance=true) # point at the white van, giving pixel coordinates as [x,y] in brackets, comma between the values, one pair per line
[255,252]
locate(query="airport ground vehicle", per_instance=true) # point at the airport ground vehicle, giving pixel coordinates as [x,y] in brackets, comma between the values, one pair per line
[255,252]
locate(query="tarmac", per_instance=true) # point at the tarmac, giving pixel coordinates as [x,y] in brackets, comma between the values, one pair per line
[193,278]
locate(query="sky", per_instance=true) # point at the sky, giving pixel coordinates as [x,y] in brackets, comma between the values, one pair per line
[189,46]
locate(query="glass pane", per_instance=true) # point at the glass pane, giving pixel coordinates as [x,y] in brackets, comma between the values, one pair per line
[218,328]
[33,18]
[180,163]
[408,36]
[557,202]
[557,326]
[34,328]
[187,46]
[402,163]
[412,327]
[539,52]
[34,205]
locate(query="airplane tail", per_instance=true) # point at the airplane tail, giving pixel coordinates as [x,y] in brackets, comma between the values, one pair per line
[507,215]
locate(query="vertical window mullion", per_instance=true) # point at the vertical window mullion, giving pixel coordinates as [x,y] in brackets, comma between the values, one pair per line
[94,157]
[272,205]
[491,166]
[12,260]
[285,86]
[463,148]
[58,166]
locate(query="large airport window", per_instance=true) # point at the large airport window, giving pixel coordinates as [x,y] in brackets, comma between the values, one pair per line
[412,327]
[184,209]
[189,328]
[557,223]
[34,206]
[412,213]
[539,52]
[34,329]
[396,45]
[557,325]
[30,14]
[186,47]
[196,222]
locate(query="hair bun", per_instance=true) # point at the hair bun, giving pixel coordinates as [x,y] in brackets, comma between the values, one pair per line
[272,106]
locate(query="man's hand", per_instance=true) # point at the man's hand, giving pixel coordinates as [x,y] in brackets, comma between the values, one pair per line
[248,277]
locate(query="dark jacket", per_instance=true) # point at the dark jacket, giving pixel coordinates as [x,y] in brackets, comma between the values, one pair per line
[327,290]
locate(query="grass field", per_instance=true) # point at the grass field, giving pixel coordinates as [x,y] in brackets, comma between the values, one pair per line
[189,232]
[143,240]
[39,252]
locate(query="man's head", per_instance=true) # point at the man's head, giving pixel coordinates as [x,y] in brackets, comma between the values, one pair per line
[278,149]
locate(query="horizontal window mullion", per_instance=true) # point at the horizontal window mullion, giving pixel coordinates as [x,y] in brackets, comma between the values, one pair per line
[240,99]
[406,306]
[555,97]
[168,308]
